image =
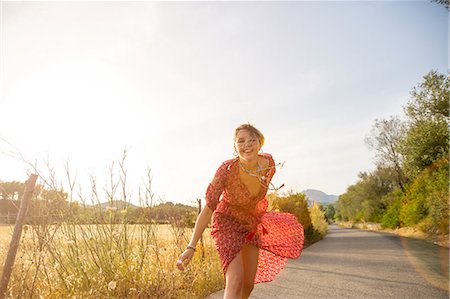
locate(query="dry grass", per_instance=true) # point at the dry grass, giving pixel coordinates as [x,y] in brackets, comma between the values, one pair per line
[109,261]
[72,260]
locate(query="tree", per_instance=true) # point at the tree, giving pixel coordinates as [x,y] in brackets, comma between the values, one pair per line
[385,139]
[294,203]
[426,201]
[430,99]
[330,211]
[445,3]
[363,200]
[11,190]
[318,219]
[427,135]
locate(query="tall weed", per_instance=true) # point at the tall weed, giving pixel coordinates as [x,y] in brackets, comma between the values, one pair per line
[62,257]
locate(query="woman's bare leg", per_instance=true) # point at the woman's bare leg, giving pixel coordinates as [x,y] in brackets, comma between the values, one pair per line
[249,254]
[234,278]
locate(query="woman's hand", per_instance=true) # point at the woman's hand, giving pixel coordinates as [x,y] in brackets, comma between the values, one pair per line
[185,258]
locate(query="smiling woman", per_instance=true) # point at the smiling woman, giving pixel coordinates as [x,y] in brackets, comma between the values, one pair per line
[253,244]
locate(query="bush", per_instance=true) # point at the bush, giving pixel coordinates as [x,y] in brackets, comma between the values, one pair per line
[318,219]
[426,200]
[391,219]
[413,212]
[330,212]
[296,204]
[439,213]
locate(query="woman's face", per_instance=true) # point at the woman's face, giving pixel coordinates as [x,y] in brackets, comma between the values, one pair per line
[247,145]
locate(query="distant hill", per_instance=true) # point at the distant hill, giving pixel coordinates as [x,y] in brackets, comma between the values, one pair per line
[320,197]
[118,204]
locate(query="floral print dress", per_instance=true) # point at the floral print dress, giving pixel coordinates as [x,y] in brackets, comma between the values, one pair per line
[239,219]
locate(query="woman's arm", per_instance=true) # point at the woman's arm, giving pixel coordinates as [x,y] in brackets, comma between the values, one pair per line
[212,197]
[200,225]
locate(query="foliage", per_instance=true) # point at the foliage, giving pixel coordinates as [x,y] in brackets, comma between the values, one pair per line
[425,143]
[391,218]
[51,203]
[318,219]
[445,3]
[385,139]
[409,186]
[430,99]
[11,190]
[63,257]
[427,136]
[330,212]
[52,206]
[110,261]
[427,199]
[296,204]
[362,201]
[168,212]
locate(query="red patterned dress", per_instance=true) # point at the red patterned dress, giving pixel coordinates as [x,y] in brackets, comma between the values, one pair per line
[238,219]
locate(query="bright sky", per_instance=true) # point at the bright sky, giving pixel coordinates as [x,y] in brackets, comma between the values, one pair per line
[171,80]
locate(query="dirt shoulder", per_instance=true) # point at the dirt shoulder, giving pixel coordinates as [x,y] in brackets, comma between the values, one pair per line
[409,232]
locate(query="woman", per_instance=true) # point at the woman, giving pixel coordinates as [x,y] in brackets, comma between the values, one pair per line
[253,244]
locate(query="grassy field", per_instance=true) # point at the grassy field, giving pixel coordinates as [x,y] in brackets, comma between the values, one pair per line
[109,261]
[163,231]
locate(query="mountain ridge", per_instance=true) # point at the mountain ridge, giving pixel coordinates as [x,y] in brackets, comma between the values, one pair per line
[319,196]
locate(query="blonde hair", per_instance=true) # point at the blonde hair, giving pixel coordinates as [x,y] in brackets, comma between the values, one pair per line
[252,130]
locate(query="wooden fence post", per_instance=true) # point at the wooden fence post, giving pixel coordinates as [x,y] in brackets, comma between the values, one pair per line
[15,240]
[199,201]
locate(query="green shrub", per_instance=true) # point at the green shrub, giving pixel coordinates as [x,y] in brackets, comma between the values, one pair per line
[438,200]
[426,200]
[294,203]
[439,213]
[391,218]
[413,212]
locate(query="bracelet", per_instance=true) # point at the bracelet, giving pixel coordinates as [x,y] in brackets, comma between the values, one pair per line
[190,247]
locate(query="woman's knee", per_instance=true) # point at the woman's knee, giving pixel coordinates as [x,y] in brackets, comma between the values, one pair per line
[236,281]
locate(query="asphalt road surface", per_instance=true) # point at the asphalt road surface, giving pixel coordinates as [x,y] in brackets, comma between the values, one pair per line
[350,263]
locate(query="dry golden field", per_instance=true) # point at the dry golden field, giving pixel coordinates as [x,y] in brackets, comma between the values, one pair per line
[109,261]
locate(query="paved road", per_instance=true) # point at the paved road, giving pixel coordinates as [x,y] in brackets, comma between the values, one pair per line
[350,263]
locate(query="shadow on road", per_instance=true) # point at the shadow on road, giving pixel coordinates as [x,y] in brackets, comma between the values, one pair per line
[427,259]
[422,256]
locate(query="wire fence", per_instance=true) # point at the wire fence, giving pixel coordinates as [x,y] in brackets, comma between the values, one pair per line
[8,218]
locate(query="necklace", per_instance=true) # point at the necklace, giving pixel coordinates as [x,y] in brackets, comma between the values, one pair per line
[254,173]
[261,178]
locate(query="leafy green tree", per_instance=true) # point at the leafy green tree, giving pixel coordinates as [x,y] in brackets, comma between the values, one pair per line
[294,203]
[330,212]
[427,136]
[168,212]
[385,139]
[391,218]
[426,202]
[430,98]
[363,200]
[349,204]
